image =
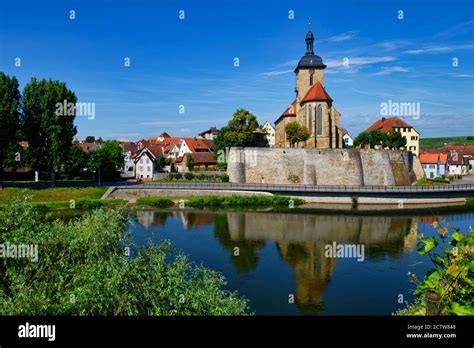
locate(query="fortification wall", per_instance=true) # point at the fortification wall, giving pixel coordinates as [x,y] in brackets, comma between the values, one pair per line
[359,167]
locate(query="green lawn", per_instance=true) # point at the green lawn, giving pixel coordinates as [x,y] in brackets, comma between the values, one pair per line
[435,143]
[53,195]
[426,182]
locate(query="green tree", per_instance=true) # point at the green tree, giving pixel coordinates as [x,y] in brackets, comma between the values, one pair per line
[162,162]
[76,161]
[48,124]
[90,139]
[190,163]
[296,133]
[239,132]
[93,260]
[9,118]
[395,140]
[372,138]
[106,160]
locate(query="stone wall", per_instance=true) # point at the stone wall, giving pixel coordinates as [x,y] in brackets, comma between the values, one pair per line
[359,167]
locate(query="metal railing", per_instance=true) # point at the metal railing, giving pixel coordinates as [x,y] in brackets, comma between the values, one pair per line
[298,187]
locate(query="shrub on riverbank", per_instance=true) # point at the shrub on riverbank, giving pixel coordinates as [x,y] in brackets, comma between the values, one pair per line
[448,288]
[161,202]
[83,268]
[241,201]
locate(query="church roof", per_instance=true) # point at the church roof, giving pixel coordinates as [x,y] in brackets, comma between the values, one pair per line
[316,93]
[290,111]
[310,60]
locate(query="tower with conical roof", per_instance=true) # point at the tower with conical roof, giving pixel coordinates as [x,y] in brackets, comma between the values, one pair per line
[312,106]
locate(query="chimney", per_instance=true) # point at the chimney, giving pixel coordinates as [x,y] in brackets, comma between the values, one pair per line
[383,119]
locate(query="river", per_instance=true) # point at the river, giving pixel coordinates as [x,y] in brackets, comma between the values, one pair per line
[278,261]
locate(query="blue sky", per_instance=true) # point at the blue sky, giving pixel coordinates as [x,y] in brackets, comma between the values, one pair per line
[190,62]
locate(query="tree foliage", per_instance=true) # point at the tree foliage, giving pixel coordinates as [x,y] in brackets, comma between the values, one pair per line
[9,119]
[450,281]
[83,268]
[76,161]
[107,159]
[296,133]
[239,132]
[48,132]
[90,139]
[395,140]
[190,163]
[373,138]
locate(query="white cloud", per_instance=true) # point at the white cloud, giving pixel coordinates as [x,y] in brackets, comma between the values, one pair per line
[343,37]
[276,72]
[461,75]
[438,49]
[457,29]
[357,61]
[186,130]
[170,123]
[390,70]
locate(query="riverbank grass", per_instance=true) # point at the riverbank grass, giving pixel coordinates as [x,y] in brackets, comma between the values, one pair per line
[224,201]
[60,197]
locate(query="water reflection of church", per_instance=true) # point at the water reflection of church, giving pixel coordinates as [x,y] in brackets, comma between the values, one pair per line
[300,239]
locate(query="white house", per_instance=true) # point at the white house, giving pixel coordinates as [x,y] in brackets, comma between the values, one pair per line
[146,162]
[270,133]
[128,149]
[347,140]
[434,164]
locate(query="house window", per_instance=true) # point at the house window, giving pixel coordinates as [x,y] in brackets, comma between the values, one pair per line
[149,169]
[431,175]
[141,160]
[147,161]
[319,120]
[414,137]
[310,118]
[311,79]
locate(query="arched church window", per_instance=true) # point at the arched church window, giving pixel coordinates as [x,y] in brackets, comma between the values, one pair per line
[319,120]
[310,118]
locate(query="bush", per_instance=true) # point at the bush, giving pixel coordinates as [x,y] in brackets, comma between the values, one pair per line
[82,269]
[224,177]
[175,176]
[156,201]
[89,204]
[448,288]
[202,177]
[241,201]
[189,176]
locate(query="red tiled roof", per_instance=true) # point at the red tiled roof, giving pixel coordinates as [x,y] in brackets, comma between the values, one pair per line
[86,147]
[465,149]
[204,158]
[386,124]
[422,151]
[316,93]
[430,158]
[290,110]
[129,146]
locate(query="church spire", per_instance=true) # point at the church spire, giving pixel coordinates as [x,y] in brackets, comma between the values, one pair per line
[309,39]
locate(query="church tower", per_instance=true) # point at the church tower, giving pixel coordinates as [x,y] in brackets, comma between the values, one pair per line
[312,106]
[310,68]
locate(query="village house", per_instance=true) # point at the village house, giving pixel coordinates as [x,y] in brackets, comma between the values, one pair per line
[210,134]
[347,140]
[408,132]
[146,161]
[434,165]
[128,149]
[269,133]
